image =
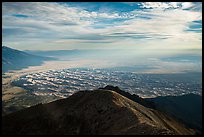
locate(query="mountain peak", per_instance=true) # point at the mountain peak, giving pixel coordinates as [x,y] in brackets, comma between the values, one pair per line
[132,97]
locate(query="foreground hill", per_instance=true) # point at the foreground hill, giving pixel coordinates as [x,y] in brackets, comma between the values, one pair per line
[15,60]
[94,112]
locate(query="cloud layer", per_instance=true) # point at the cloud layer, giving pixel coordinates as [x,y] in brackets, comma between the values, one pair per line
[71,25]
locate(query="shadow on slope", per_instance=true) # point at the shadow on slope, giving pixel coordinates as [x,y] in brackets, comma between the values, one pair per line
[186,108]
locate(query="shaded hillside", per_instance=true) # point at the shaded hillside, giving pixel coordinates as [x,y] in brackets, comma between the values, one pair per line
[186,108]
[95,112]
[15,60]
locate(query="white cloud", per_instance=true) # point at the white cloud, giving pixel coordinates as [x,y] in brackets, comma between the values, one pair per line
[171,24]
[160,5]
[186,5]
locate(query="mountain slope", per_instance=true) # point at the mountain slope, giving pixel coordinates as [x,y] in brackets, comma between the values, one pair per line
[186,108]
[14,59]
[95,112]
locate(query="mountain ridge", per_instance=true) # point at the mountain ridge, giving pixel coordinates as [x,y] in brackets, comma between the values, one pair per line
[96,112]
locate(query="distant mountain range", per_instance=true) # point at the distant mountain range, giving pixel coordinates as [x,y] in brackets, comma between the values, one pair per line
[15,60]
[106,111]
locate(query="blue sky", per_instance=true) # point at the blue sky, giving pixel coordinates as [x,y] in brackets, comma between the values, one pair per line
[152,30]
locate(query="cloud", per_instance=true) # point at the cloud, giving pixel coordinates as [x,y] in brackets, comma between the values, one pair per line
[7,32]
[186,5]
[158,24]
[160,5]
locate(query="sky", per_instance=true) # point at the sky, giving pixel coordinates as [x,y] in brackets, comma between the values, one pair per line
[99,25]
[152,30]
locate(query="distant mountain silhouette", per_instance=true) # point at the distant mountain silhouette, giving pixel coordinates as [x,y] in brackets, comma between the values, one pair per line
[96,112]
[15,60]
[186,108]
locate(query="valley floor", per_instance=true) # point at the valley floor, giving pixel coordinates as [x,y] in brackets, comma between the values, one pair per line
[10,92]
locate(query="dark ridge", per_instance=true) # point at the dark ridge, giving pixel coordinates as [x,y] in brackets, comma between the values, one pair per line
[132,97]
